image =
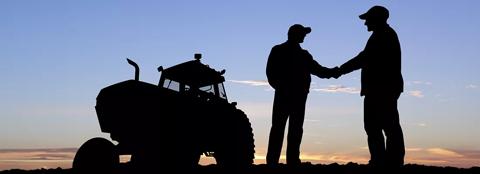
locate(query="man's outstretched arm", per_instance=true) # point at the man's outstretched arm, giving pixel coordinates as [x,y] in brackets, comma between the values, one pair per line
[353,64]
[321,71]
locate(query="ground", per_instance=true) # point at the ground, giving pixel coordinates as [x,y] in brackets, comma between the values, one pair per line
[306,168]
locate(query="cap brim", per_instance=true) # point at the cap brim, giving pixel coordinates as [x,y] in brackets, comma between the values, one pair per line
[308,30]
[363,16]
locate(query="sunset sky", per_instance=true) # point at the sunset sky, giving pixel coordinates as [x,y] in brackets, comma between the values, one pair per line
[57,55]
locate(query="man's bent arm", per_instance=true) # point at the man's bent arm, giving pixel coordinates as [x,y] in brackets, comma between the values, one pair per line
[272,69]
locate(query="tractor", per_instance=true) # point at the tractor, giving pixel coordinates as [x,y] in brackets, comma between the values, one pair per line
[169,125]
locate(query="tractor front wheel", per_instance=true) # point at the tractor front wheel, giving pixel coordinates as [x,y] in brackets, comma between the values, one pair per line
[96,155]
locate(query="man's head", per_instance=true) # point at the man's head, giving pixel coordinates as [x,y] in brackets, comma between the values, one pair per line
[375,17]
[297,33]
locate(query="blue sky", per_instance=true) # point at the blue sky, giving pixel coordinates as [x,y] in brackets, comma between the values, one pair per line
[57,55]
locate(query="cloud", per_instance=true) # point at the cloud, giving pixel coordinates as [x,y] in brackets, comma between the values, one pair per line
[418,82]
[471,86]
[254,83]
[413,149]
[416,93]
[444,152]
[321,158]
[251,82]
[471,154]
[337,88]
[328,89]
[422,124]
[439,156]
[36,158]
[37,154]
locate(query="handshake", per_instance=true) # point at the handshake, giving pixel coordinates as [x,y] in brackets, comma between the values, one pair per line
[333,72]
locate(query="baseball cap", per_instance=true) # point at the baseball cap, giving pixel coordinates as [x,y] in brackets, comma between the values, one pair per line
[298,28]
[376,13]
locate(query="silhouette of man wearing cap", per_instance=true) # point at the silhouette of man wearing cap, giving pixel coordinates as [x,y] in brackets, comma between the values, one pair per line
[288,71]
[382,84]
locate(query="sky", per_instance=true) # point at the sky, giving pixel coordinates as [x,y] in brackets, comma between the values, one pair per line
[57,55]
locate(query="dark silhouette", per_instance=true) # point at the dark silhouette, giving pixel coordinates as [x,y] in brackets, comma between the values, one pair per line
[382,84]
[288,70]
[169,126]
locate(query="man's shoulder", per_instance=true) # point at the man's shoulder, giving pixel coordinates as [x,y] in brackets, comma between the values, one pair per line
[306,53]
[279,46]
[388,32]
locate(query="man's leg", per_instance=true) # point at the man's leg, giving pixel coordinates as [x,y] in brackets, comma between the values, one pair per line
[395,150]
[372,125]
[295,129]
[279,120]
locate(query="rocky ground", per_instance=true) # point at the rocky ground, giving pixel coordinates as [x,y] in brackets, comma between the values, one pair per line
[350,168]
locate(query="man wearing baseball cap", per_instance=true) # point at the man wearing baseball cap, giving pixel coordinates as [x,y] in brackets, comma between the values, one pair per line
[382,84]
[288,71]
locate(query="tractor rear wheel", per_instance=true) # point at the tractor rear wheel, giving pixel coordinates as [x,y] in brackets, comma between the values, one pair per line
[236,147]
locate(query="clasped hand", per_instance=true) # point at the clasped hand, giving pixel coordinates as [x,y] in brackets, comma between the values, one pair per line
[334,72]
